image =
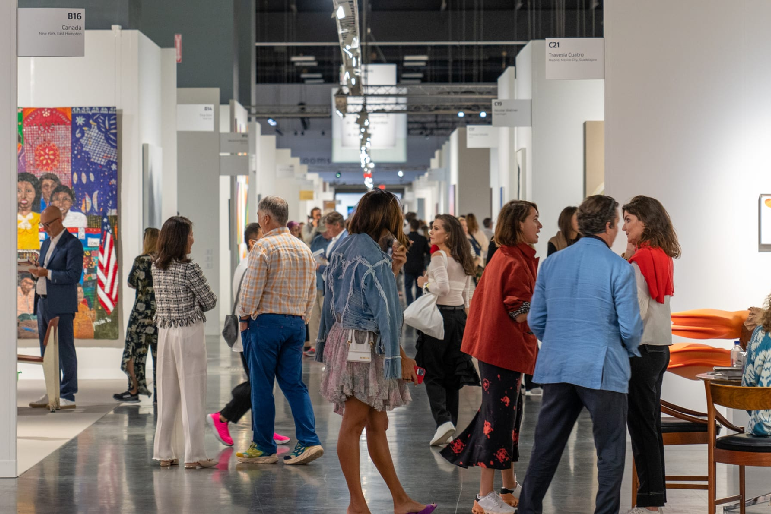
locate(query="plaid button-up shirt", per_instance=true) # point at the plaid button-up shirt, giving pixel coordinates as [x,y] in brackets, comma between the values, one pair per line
[280,278]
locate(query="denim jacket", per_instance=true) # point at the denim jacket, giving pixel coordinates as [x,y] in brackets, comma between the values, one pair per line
[361,292]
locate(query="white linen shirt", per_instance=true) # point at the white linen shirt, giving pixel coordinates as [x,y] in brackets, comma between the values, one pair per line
[237,276]
[657,317]
[42,283]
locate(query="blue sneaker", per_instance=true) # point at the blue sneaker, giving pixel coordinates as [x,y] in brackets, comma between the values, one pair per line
[304,454]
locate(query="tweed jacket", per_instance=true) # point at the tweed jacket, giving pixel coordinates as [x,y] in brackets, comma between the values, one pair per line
[182,295]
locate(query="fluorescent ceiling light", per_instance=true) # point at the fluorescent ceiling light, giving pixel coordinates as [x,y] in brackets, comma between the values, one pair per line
[310,75]
[415,63]
[412,75]
[483,114]
[301,58]
[309,64]
[415,57]
[314,81]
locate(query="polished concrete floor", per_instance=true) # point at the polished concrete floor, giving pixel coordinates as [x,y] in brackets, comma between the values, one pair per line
[109,468]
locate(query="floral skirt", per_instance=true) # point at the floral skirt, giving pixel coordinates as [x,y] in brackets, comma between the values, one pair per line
[492,438]
[364,381]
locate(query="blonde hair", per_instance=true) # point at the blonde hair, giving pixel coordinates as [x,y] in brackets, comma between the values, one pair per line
[150,241]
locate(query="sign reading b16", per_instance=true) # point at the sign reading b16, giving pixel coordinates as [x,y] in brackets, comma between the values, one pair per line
[51,32]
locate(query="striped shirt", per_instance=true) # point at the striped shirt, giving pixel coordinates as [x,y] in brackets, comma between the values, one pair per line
[280,278]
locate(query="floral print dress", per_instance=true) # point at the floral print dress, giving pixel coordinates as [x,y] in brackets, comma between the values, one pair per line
[141,333]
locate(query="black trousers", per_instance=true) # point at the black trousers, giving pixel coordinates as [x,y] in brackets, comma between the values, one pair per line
[241,401]
[411,281]
[447,368]
[644,423]
[561,405]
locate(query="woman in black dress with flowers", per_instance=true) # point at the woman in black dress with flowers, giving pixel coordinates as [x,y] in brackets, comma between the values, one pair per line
[141,333]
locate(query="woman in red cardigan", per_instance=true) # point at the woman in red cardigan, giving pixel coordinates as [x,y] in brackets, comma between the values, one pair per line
[498,335]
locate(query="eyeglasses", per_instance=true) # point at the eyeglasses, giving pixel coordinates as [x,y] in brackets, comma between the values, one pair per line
[48,223]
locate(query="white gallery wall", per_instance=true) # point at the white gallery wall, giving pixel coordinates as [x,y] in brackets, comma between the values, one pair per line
[688,121]
[503,162]
[554,144]
[124,69]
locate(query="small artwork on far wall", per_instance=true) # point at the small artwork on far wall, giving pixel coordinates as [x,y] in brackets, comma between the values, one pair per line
[764,223]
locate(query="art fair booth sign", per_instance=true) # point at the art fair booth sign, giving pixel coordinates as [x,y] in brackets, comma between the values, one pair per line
[51,32]
[575,58]
[512,113]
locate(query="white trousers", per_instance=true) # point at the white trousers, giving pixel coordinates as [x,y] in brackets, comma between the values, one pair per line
[181,379]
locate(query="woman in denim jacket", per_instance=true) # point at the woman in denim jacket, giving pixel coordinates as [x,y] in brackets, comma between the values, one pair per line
[361,305]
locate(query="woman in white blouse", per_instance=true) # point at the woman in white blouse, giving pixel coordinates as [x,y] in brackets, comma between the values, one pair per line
[450,277]
[652,246]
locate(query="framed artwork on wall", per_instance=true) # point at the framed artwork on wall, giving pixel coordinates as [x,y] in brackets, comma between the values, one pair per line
[764,223]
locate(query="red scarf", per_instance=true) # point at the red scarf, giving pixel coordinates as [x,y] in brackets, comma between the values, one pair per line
[658,268]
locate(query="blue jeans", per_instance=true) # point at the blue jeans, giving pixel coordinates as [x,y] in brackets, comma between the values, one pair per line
[275,352]
[68,359]
[411,280]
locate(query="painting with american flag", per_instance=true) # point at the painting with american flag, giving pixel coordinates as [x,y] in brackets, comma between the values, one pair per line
[107,271]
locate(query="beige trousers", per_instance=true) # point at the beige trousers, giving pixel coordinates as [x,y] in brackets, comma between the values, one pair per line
[181,379]
[313,324]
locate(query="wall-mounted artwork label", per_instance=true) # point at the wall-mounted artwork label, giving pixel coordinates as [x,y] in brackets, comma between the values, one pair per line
[234,142]
[481,136]
[306,194]
[285,170]
[575,58]
[512,113]
[51,32]
[764,223]
[195,118]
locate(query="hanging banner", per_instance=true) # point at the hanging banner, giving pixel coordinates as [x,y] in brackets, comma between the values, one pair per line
[51,32]
[512,113]
[575,58]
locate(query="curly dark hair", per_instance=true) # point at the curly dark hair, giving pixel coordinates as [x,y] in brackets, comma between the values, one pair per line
[658,231]
[508,229]
[595,213]
[33,180]
[376,212]
[172,242]
[457,242]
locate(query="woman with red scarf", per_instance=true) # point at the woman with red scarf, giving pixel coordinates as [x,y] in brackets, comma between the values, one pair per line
[652,246]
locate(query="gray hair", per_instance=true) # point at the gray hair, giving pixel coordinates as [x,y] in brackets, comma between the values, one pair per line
[276,207]
[334,218]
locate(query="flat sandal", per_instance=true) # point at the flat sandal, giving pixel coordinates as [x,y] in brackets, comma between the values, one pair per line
[169,462]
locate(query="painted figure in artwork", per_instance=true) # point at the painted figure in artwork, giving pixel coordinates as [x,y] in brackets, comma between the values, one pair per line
[48,182]
[84,318]
[27,220]
[63,197]
[25,295]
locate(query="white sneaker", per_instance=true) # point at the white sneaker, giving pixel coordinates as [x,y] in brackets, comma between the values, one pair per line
[41,403]
[66,404]
[640,510]
[512,498]
[443,434]
[536,391]
[492,504]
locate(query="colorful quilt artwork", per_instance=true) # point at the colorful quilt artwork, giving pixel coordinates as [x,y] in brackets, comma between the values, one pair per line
[67,157]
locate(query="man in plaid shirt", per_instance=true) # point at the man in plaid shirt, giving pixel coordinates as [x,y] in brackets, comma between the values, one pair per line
[277,296]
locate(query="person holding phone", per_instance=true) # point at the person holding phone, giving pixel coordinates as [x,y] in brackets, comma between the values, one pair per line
[366,370]
[498,336]
[450,277]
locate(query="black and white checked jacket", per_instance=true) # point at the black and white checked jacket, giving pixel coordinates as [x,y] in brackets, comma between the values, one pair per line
[182,295]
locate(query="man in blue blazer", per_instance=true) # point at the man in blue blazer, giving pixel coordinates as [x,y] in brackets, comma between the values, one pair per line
[585,312]
[59,270]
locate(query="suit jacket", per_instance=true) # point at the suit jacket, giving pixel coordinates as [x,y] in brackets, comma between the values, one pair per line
[64,271]
[585,312]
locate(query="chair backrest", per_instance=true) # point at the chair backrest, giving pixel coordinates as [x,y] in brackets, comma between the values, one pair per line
[53,325]
[742,398]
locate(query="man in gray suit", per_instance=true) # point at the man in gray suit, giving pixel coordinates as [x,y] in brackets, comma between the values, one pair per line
[59,270]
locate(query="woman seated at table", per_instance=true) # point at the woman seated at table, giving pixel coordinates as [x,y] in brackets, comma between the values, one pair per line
[757,370]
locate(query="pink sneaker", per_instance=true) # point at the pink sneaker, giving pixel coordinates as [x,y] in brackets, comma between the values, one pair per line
[219,428]
[280,439]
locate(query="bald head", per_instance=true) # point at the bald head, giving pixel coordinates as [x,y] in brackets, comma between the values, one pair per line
[51,219]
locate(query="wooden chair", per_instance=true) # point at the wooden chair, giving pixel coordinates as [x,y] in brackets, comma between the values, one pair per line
[50,362]
[683,427]
[737,449]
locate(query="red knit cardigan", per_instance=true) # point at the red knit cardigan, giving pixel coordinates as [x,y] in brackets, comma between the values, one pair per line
[491,335]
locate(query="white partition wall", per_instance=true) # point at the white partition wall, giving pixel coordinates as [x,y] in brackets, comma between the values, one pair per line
[554,145]
[124,69]
[8,134]
[503,162]
[688,121]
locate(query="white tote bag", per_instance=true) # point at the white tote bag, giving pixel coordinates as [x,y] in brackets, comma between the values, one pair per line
[424,315]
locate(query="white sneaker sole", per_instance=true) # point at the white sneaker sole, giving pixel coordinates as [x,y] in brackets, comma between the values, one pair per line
[271,459]
[308,456]
[443,439]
